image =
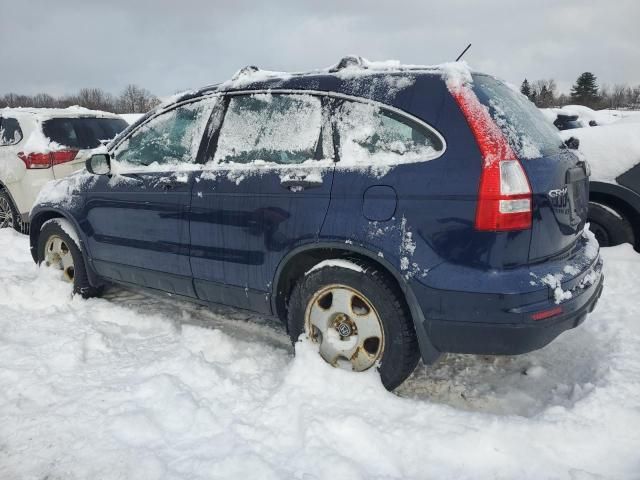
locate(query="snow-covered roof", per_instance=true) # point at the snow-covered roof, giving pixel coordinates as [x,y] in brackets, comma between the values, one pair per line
[74,111]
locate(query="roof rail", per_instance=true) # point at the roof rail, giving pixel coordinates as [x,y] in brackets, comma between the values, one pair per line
[348,61]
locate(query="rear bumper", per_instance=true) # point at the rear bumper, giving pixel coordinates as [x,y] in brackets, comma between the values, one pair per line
[513,338]
[492,312]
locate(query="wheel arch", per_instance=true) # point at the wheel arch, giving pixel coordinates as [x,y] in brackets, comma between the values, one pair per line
[42,215]
[301,259]
[622,199]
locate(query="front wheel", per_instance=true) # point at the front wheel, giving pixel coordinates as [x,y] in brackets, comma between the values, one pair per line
[58,249]
[357,318]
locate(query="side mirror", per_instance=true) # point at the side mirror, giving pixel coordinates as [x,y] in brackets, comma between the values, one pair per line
[593,123]
[572,142]
[99,164]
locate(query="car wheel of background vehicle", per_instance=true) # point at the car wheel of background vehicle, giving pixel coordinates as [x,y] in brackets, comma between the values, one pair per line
[609,227]
[57,249]
[9,216]
[358,319]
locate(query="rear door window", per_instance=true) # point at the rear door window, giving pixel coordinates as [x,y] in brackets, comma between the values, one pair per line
[283,129]
[82,133]
[10,132]
[371,135]
[527,130]
[171,138]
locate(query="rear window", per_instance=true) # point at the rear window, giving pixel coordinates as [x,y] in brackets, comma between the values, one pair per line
[529,133]
[82,132]
[10,132]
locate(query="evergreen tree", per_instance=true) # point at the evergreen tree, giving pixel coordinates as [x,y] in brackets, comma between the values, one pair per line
[525,89]
[585,90]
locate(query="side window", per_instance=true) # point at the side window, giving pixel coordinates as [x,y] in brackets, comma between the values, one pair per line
[274,128]
[10,132]
[170,138]
[372,134]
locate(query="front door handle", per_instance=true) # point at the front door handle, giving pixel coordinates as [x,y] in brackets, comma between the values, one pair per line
[295,184]
[166,184]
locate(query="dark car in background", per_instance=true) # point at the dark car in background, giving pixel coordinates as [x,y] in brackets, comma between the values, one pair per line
[387,213]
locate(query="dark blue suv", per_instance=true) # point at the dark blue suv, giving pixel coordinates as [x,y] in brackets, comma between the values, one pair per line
[388,213]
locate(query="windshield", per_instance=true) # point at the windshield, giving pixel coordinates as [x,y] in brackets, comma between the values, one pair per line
[82,132]
[529,133]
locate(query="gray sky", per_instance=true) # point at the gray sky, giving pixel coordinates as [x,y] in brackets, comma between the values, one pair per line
[165,46]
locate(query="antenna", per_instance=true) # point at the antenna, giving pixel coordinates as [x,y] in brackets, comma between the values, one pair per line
[463,52]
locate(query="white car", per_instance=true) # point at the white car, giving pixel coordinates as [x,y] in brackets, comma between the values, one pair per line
[38,145]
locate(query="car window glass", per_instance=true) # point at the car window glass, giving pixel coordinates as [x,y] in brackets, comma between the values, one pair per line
[370,134]
[10,132]
[527,130]
[171,138]
[272,128]
[83,132]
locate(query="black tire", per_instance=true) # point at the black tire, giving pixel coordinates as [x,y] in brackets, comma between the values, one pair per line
[9,215]
[609,228]
[400,353]
[80,278]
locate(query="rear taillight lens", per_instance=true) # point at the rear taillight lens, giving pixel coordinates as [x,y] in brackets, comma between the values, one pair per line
[504,195]
[34,161]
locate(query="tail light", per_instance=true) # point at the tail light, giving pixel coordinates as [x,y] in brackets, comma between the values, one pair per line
[34,161]
[504,195]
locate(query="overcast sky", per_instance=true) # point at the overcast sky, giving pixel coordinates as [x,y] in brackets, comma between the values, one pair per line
[169,45]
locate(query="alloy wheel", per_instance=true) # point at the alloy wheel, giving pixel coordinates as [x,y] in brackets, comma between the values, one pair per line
[58,255]
[346,326]
[6,213]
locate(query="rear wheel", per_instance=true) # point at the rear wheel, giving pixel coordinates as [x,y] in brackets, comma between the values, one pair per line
[56,249]
[609,226]
[9,216]
[358,320]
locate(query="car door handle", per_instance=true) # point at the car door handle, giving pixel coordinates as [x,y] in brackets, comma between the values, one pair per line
[167,184]
[300,183]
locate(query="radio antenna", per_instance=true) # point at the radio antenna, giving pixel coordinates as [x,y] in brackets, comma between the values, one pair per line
[463,52]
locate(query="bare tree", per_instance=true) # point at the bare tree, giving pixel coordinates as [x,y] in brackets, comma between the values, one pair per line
[95,99]
[135,99]
[543,92]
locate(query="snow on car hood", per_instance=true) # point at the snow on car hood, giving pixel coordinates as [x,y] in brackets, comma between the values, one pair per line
[610,150]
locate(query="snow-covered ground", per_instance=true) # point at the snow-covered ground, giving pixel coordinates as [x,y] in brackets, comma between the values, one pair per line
[138,386]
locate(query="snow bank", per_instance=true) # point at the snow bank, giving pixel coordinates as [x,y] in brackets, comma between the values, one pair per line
[136,386]
[610,149]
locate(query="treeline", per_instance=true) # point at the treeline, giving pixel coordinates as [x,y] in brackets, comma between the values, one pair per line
[133,99]
[585,91]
